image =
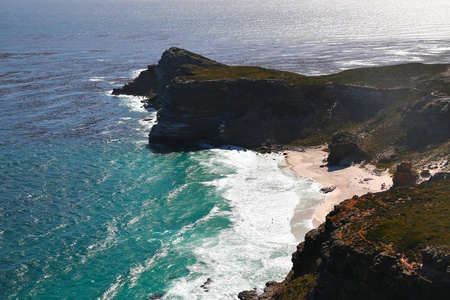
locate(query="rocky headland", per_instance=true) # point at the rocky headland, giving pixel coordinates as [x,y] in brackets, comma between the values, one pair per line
[393,244]
[383,114]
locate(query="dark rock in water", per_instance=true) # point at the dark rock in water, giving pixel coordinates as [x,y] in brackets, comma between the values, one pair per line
[345,145]
[328,189]
[248,295]
[404,175]
[156,297]
[144,85]
[206,284]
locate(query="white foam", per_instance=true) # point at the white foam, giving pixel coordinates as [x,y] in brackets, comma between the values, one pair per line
[258,246]
[97,79]
[133,102]
[362,63]
[113,289]
[136,73]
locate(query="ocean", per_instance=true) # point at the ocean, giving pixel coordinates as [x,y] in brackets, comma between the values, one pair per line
[89,211]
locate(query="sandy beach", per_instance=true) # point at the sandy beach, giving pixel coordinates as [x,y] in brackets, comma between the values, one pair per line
[353,180]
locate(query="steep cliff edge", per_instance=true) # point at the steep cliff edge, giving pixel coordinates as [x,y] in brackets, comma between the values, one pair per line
[389,245]
[383,108]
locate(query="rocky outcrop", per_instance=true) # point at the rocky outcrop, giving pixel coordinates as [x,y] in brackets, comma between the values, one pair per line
[153,81]
[427,121]
[405,175]
[146,84]
[345,145]
[358,253]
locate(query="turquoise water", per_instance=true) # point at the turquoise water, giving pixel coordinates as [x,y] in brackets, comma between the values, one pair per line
[88,211]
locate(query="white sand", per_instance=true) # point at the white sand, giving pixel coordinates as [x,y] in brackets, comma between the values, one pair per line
[353,180]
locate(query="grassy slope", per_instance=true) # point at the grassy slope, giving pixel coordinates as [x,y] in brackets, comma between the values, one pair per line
[378,77]
[408,219]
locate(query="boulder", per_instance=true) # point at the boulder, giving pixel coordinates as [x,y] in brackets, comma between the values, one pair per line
[345,145]
[405,175]
[328,189]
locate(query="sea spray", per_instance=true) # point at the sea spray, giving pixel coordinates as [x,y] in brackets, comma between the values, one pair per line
[257,245]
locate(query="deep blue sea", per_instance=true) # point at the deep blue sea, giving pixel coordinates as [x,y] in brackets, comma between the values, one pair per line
[88,211]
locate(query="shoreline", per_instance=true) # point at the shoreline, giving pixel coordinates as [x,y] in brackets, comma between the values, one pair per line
[356,179]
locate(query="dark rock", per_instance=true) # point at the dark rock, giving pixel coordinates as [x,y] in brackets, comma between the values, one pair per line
[328,189]
[248,295]
[206,284]
[345,145]
[404,175]
[269,283]
[156,297]
[439,176]
[146,84]
[427,122]
[152,82]
[425,173]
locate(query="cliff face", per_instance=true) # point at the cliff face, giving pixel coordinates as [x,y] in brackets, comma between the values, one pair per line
[427,121]
[154,80]
[389,245]
[383,114]
[244,112]
[201,99]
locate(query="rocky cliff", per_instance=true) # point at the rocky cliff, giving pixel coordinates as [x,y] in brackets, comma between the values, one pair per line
[389,245]
[386,109]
